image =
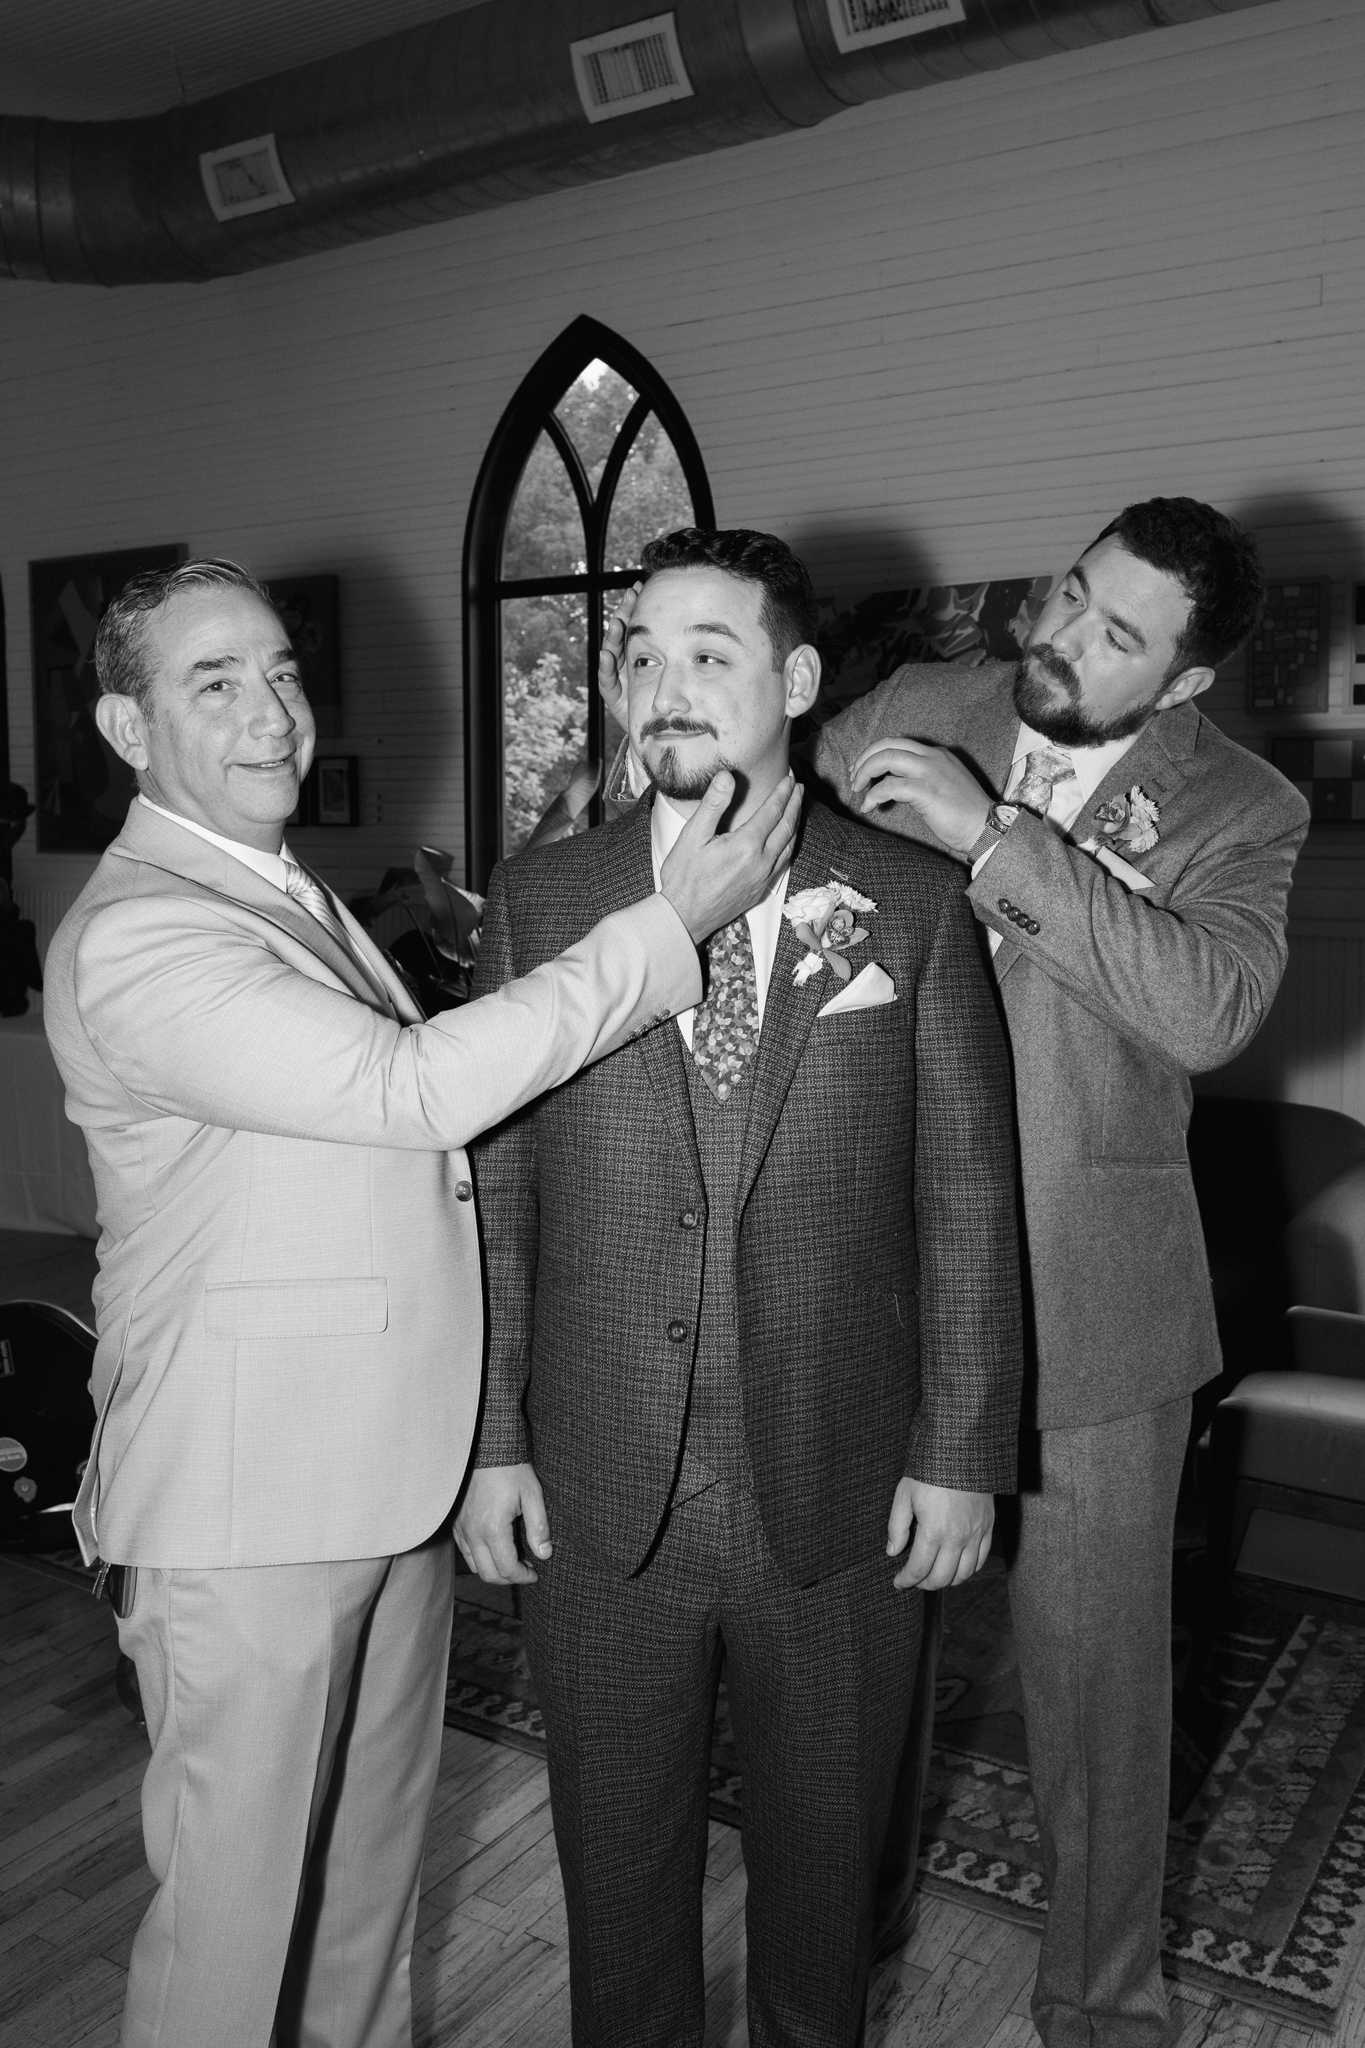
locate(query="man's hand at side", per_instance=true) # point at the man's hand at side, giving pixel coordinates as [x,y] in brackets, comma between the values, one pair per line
[711,880]
[952,1534]
[932,781]
[485,1526]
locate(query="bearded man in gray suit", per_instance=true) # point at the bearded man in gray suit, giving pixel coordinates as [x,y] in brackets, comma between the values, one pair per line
[753,1311]
[1131,867]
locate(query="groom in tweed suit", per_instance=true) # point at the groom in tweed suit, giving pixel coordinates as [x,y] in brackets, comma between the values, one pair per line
[753,1316]
[1131,867]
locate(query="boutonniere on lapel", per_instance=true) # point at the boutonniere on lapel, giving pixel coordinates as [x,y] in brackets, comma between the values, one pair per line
[1129,821]
[826,922]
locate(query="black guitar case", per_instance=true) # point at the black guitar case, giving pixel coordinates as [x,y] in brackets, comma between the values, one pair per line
[47,1418]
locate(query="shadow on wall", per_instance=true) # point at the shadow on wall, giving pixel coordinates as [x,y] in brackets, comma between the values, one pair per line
[849,560]
[400,681]
[1304,534]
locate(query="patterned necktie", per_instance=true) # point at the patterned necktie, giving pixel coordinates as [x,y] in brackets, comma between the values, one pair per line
[725,1022]
[313,898]
[1043,768]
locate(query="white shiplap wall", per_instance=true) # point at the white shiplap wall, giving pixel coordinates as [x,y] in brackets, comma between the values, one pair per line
[939,337]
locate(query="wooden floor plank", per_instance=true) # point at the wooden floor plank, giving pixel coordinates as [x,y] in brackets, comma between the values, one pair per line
[490,1966]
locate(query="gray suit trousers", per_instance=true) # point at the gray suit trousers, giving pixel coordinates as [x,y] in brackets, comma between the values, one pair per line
[1090,1593]
[295,1716]
[820,1680]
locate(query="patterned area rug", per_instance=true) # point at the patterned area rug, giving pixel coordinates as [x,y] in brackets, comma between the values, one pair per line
[1265,1876]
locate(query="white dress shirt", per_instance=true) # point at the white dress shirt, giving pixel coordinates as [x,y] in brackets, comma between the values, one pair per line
[765,919]
[1069,797]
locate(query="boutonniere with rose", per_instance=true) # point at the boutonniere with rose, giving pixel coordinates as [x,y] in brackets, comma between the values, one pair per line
[825,920]
[1129,821]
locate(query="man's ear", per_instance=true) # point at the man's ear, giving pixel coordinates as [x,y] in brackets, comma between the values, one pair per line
[121,721]
[1192,682]
[802,671]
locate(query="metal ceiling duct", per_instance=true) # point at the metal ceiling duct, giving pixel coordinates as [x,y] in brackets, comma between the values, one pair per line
[473,111]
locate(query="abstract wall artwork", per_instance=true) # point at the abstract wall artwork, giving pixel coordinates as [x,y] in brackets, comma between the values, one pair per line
[311,611]
[860,644]
[83,787]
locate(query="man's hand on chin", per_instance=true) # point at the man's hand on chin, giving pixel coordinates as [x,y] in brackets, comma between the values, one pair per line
[932,781]
[485,1528]
[952,1534]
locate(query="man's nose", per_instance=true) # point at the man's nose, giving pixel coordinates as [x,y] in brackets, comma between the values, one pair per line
[269,712]
[671,695]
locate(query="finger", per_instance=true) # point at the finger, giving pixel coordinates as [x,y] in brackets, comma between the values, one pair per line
[536,1522]
[502,1546]
[944,1571]
[919,1564]
[892,789]
[885,752]
[720,792]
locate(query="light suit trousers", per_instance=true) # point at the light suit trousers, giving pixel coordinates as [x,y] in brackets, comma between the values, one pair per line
[295,1717]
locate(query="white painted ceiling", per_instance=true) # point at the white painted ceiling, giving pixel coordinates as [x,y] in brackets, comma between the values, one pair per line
[93,60]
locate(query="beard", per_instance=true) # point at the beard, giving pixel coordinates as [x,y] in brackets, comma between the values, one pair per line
[685,784]
[1067,724]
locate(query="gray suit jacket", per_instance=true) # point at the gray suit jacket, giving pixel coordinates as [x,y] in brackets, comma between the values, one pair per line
[289,1300]
[1112,1002]
[875,1255]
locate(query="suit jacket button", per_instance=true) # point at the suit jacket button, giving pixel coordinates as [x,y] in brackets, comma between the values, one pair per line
[463,1191]
[676,1332]
[689,1219]
[1034,926]
[1007,906]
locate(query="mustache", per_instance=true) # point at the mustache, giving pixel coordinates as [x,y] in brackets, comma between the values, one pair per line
[1057,666]
[656,728]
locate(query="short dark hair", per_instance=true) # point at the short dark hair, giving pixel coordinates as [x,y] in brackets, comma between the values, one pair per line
[788,612]
[120,643]
[1215,562]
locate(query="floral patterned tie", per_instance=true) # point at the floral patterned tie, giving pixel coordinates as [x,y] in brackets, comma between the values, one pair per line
[725,1022]
[1043,768]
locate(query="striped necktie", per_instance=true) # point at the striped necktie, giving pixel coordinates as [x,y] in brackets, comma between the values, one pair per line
[314,898]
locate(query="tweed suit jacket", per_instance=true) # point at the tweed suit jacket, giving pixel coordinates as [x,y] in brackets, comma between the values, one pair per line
[875,1255]
[1113,998]
[289,1299]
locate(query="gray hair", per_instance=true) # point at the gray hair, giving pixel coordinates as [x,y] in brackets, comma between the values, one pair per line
[121,644]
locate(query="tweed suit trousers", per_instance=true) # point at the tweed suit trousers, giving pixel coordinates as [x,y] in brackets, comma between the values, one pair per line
[1090,1594]
[295,1718]
[820,1680]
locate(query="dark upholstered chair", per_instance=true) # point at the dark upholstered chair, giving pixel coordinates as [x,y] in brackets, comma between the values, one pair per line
[1287,1470]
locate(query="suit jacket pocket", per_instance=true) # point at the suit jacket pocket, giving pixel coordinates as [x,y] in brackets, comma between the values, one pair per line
[250,1311]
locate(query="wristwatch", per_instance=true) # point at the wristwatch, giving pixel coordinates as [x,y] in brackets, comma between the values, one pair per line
[999,818]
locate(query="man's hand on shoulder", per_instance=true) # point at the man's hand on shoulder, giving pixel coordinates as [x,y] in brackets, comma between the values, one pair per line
[952,1534]
[496,1497]
[712,879]
[932,781]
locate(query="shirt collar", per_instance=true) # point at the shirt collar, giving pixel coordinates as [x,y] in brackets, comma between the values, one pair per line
[271,867]
[665,830]
[1091,764]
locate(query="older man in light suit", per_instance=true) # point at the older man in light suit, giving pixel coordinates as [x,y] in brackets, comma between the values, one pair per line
[289,1312]
[1130,866]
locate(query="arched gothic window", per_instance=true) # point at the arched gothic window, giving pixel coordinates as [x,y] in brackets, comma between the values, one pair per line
[592,458]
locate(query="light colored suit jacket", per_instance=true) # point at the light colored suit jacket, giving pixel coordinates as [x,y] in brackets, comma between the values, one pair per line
[289,1301]
[1113,999]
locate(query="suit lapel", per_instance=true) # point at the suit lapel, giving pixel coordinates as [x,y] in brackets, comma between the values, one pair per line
[159,842]
[1155,762]
[624,877]
[789,1011]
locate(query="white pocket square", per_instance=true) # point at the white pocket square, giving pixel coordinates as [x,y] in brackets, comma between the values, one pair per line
[874,985]
[1123,871]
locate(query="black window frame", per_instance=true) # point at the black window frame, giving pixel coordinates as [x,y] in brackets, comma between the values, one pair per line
[531,413]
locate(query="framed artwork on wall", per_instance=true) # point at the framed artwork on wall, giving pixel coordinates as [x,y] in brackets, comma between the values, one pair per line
[968,623]
[83,788]
[1328,768]
[330,794]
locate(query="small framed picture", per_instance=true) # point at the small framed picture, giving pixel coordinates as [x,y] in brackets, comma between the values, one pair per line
[336,790]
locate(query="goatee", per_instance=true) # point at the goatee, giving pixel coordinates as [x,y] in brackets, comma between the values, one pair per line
[686,785]
[1066,723]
